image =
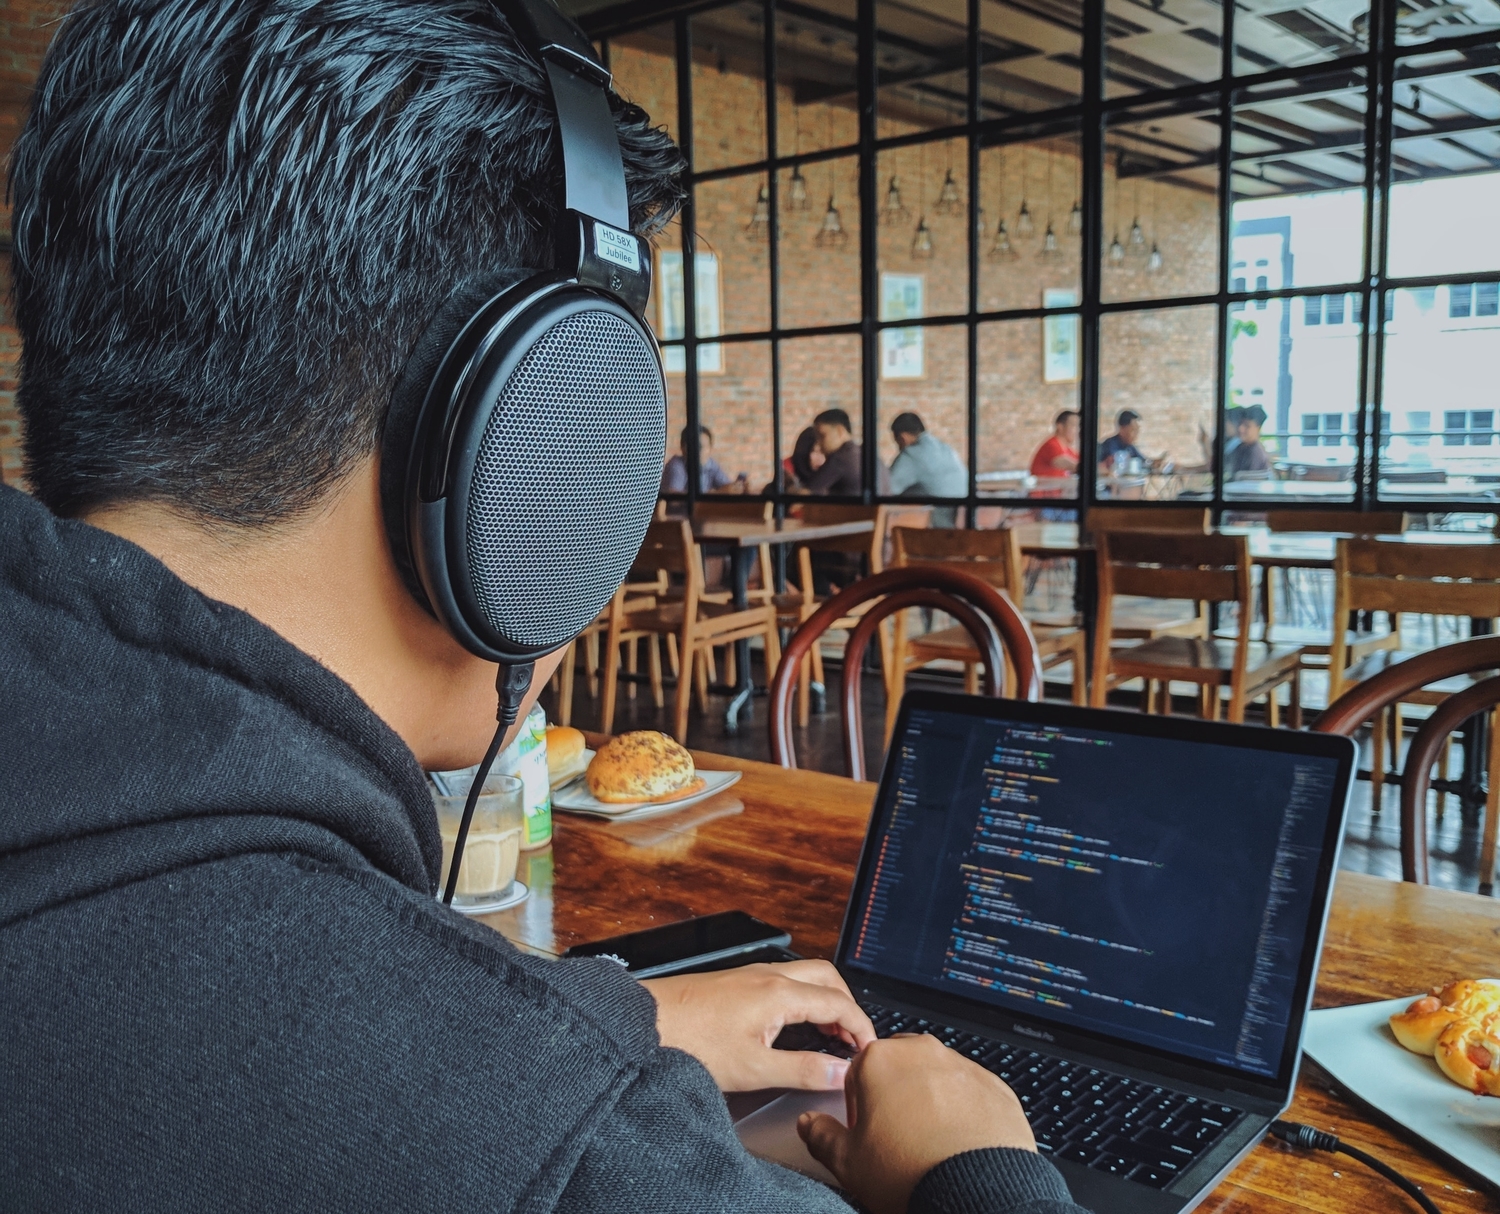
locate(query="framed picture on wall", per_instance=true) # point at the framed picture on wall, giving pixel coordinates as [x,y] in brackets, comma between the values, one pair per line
[901,350]
[1059,338]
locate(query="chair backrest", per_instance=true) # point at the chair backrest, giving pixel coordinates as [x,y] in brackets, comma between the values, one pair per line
[1191,519]
[1364,700]
[1351,522]
[1166,565]
[669,548]
[999,632]
[870,544]
[994,556]
[1396,576]
[733,508]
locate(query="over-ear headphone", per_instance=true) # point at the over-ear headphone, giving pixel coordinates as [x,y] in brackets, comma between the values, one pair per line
[521,457]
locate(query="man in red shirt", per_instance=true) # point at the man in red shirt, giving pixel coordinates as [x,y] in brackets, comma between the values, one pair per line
[1058,456]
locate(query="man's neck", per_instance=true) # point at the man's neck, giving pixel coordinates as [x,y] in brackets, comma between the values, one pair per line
[326,582]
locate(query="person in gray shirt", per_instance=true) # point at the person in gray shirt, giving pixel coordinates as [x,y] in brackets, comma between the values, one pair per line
[928,466]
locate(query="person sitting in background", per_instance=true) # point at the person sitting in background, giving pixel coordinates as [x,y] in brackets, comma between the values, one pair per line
[927,465]
[1232,417]
[1058,456]
[805,455]
[1119,449]
[1248,456]
[711,477]
[840,473]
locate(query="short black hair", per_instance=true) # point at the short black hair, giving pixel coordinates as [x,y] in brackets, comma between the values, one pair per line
[234,218]
[833,417]
[1064,415]
[687,432]
[907,423]
[1126,417]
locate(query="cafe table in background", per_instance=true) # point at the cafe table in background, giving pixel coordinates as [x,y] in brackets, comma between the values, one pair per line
[783,845]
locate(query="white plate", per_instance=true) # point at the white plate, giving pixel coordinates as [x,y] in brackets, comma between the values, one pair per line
[588,757]
[512,895]
[1356,1046]
[576,799]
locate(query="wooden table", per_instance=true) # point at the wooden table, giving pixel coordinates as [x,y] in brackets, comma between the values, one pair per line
[788,856]
[742,539]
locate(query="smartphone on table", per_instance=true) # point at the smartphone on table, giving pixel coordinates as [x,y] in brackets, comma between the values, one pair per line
[708,942]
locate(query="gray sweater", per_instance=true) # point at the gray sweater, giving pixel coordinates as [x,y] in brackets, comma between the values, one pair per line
[225,983]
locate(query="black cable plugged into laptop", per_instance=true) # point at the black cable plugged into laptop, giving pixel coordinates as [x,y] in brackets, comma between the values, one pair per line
[1309,1139]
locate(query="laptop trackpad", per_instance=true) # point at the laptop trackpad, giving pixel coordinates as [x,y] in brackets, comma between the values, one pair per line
[771,1132]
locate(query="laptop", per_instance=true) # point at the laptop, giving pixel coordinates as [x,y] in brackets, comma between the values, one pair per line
[1120,915]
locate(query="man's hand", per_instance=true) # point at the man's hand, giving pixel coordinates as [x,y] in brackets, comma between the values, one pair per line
[912,1103]
[728,1019]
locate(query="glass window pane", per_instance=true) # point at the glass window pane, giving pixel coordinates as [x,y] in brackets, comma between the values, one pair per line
[733,222]
[923,198]
[818,373]
[1026,190]
[644,65]
[1151,45]
[735,404]
[1294,378]
[921,61]
[1269,34]
[1430,23]
[1440,397]
[1445,190]
[1028,375]
[1161,210]
[1029,58]
[816,61]
[1160,366]
[820,246]
[1299,169]
[729,91]
[939,396]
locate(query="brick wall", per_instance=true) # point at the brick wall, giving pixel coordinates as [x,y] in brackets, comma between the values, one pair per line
[26,27]
[1159,362]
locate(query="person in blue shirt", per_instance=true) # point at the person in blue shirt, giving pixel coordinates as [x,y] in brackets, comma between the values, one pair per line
[927,466]
[711,477]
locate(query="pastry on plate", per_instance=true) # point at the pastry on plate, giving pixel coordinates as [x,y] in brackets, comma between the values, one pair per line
[566,757]
[1468,1052]
[640,767]
[1419,1027]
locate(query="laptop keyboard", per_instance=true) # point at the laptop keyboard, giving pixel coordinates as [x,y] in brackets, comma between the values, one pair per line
[1125,1127]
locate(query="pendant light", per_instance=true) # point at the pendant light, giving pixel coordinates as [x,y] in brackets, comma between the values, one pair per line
[1075,217]
[950,201]
[1116,251]
[921,241]
[796,194]
[1049,242]
[831,234]
[759,227]
[894,209]
[1153,262]
[1024,223]
[1002,249]
[1137,235]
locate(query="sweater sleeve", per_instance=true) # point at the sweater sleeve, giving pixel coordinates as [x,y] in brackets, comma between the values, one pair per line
[997,1181]
[668,1146]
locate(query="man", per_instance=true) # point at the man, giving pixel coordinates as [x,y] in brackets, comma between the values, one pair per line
[926,465]
[1120,447]
[711,477]
[841,472]
[228,983]
[1058,456]
[1248,454]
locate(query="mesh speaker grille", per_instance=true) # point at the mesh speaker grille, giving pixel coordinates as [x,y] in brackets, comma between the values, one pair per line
[567,478]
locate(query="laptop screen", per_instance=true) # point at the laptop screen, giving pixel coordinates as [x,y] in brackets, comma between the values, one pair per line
[1163,890]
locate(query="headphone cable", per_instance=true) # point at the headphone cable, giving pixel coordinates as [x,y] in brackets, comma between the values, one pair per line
[511,686]
[1308,1138]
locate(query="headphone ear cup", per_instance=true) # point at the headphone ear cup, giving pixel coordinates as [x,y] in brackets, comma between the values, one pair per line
[398,436]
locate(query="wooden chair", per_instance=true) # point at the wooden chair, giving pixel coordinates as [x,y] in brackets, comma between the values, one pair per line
[696,625]
[1205,569]
[1392,576]
[1369,700]
[638,595]
[998,630]
[800,602]
[994,556]
[1145,619]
